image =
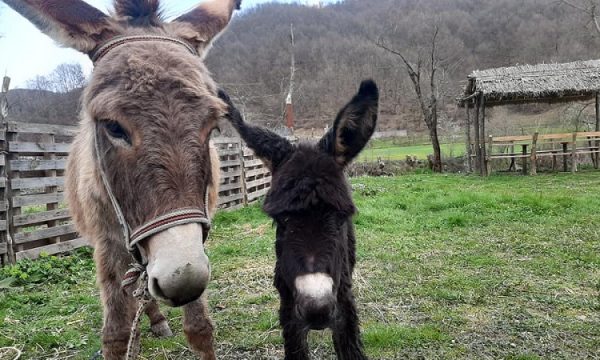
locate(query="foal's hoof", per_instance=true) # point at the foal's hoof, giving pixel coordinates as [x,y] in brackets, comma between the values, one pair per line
[161,329]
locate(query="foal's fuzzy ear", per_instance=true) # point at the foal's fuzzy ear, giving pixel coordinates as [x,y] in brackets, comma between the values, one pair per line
[270,147]
[202,25]
[354,125]
[72,23]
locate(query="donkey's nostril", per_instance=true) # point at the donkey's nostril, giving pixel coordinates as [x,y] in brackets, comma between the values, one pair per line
[156,287]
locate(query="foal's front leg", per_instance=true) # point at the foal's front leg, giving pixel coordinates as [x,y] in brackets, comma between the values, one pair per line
[198,328]
[346,332]
[294,334]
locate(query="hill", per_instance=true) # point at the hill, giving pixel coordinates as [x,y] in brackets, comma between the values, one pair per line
[335,50]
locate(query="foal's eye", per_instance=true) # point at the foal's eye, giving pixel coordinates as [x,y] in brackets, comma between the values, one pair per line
[116,131]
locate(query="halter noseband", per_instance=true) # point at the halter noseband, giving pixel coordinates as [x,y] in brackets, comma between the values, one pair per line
[156,225]
[103,49]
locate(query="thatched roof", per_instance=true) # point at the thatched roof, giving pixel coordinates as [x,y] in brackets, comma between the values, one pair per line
[536,83]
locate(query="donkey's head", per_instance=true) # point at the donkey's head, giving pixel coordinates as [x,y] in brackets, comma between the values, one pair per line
[150,108]
[311,203]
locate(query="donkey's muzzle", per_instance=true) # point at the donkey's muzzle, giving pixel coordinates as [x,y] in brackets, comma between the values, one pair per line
[315,300]
[316,315]
[178,268]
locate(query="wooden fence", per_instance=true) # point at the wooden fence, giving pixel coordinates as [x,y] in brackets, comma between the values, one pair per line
[33,215]
[531,148]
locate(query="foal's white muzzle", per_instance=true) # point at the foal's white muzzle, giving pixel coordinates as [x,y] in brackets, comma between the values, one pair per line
[178,269]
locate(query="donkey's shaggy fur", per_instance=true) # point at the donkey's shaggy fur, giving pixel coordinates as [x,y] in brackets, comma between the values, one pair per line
[312,206]
[151,106]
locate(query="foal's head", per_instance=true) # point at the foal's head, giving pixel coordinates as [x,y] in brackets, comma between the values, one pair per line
[151,106]
[311,203]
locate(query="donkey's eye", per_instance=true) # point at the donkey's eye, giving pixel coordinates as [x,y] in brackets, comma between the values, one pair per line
[116,131]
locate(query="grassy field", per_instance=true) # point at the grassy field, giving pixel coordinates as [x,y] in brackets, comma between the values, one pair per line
[388,150]
[449,267]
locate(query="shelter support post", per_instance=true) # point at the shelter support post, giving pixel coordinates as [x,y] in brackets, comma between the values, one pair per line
[468,138]
[484,158]
[477,139]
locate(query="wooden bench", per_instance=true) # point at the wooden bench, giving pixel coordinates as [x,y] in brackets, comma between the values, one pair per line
[536,146]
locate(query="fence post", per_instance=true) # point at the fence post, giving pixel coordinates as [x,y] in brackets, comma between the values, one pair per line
[51,189]
[6,256]
[243,178]
[574,154]
[488,156]
[533,170]
[10,194]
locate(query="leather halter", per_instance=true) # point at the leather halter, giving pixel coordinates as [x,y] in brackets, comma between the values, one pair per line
[158,224]
[103,49]
[163,222]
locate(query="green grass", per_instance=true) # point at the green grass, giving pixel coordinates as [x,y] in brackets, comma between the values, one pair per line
[449,267]
[387,150]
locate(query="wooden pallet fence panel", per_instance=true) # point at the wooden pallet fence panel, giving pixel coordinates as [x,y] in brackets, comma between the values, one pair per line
[37,182]
[257,176]
[41,217]
[36,148]
[30,128]
[25,237]
[255,195]
[37,199]
[231,188]
[36,166]
[52,249]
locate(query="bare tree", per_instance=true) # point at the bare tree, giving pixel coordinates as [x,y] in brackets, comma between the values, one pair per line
[40,82]
[68,77]
[427,69]
[587,7]
[64,79]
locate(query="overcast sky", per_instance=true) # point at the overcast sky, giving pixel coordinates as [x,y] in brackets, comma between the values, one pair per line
[26,52]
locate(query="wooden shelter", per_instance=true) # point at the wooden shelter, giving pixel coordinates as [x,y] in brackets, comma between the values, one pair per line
[549,83]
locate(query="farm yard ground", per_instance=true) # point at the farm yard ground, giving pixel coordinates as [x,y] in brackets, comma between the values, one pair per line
[449,267]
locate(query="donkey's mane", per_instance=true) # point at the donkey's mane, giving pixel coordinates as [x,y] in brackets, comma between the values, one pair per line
[309,179]
[140,12]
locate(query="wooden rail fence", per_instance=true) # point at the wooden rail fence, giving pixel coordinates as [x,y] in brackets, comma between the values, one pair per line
[33,214]
[563,150]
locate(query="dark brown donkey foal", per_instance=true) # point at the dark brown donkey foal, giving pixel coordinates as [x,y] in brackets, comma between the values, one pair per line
[311,204]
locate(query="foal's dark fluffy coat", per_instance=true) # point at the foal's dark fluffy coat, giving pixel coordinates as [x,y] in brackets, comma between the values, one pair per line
[312,206]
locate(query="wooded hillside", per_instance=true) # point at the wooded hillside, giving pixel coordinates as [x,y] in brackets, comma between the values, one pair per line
[335,49]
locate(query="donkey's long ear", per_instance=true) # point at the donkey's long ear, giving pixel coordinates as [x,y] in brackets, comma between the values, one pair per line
[202,25]
[270,147]
[354,125]
[72,23]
